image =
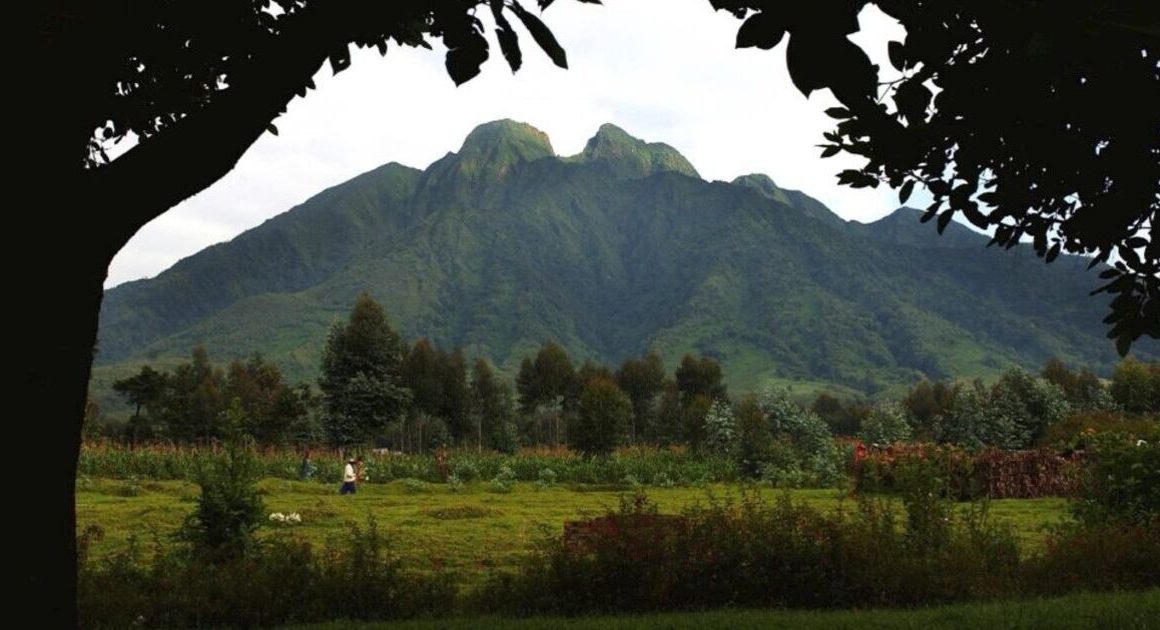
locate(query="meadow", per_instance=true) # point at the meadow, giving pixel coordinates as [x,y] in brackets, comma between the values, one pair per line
[470,532]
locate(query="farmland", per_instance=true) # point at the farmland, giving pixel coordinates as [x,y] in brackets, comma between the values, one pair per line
[471,531]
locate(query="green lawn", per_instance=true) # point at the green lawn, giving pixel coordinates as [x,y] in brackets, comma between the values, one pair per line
[471,531]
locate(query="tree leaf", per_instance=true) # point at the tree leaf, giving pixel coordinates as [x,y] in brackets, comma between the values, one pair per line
[944,219]
[542,35]
[761,30]
[806,63]
[340,59]
[830,149]
[509,44]
[1053,253]
[463,62]
[272,129]
[904,192]
[897,57]
[840,113]
[912,99]
[1123,344]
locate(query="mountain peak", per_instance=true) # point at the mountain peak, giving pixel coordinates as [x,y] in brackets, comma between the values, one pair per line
[763,185]
[507,139]
[633,158]
[903,226]
[489,152]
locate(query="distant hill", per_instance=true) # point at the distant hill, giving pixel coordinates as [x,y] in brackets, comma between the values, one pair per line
[615,251]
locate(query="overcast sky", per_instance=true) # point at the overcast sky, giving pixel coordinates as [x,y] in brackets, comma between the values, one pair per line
[663,70]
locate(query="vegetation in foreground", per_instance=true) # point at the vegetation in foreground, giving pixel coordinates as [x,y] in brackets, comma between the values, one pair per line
[1085,610]
[740,551]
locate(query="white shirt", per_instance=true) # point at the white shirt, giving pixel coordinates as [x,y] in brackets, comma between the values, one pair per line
[348,473]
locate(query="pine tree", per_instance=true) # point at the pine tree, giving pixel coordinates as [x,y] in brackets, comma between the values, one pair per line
[361,381]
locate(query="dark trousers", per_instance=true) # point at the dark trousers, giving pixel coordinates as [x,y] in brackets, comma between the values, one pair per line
[348,487]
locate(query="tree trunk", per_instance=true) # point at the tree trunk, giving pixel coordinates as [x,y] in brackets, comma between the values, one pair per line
[55,331]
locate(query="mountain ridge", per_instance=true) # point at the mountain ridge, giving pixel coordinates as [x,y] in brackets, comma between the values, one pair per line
[503,245]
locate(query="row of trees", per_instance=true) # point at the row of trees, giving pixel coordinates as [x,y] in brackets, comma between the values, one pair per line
[375,389]
[190,403]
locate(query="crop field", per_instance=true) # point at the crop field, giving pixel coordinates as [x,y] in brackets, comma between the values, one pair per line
[470,532]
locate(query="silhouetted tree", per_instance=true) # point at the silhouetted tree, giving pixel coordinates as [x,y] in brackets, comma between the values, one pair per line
[187,89]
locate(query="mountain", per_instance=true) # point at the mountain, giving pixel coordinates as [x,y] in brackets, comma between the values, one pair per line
[620,249]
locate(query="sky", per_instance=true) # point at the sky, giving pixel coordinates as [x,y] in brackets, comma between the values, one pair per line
[663,70]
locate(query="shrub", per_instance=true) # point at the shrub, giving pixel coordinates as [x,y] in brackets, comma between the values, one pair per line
[229,509]
[756,553]
[503,481]
[967,475]
[1106,556]
[280,582]
[546,479]
[1121,482]
[803,452]
[414,486]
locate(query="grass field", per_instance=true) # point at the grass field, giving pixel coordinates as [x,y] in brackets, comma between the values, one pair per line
[1105,611]
[470,532]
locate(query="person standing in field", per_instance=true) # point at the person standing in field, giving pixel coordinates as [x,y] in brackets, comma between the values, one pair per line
[349,477]
[308,468]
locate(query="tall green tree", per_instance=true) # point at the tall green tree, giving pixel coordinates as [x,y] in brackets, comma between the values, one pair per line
[548,389]
[438,383]
[492,409]
[926,402]
[642,380]
[602,420]
[754,441]
[886,424]
[362,387]
[273,411]
[1083,390]
[196,400]
[146,391]
[973,421]
[1136,386]
[700,377]
[1030,402]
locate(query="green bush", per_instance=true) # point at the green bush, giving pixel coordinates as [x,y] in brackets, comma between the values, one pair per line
[281,582]
[1121,482]
[758,553]
[229,509]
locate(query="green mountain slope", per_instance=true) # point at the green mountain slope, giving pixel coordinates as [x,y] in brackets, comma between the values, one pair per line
[620,249]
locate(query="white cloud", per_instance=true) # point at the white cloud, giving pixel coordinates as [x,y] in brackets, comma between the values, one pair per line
[664,70]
